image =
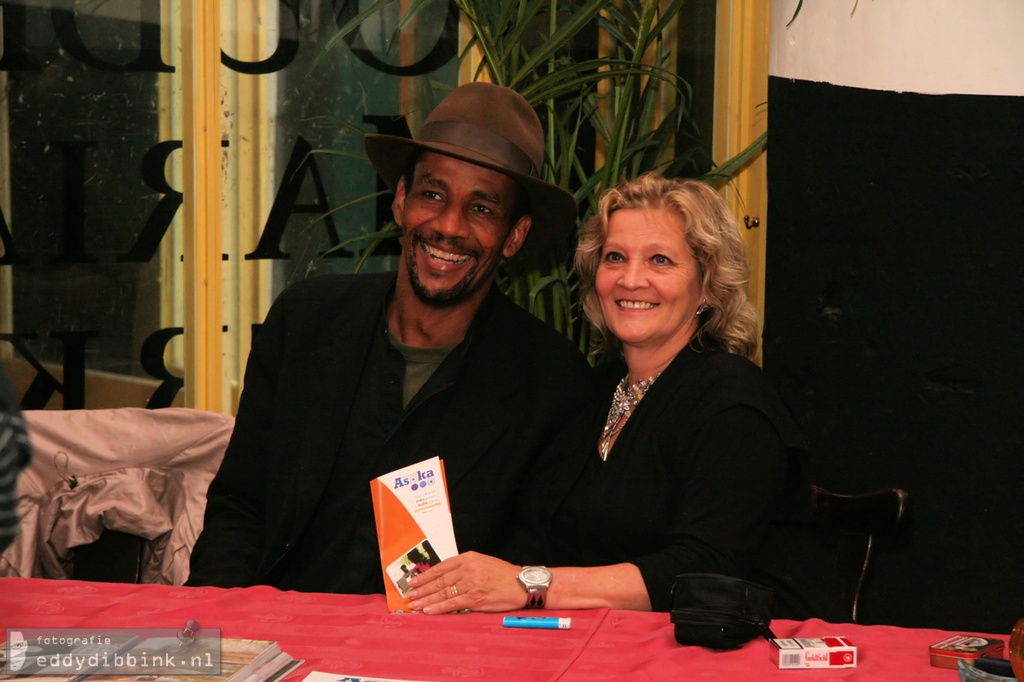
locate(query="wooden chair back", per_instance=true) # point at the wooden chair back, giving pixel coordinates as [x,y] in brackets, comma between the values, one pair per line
[856,519]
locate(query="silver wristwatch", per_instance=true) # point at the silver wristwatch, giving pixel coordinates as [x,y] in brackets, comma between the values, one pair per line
[536,580]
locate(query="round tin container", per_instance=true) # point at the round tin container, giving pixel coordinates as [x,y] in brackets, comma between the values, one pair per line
[946,653]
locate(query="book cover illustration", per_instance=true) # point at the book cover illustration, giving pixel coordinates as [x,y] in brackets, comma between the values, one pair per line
[414,525]
[415,561]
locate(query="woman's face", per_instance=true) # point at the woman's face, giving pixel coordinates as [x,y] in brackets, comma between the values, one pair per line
[648,281]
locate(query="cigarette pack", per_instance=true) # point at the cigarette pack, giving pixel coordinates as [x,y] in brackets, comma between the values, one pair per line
[819,652]
[946,653]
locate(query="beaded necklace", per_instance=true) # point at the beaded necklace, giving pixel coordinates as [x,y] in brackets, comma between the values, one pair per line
[624,402]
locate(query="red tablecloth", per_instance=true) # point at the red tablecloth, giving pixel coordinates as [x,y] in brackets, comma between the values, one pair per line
[356,635]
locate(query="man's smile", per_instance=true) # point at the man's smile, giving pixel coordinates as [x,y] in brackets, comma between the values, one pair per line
[444,256]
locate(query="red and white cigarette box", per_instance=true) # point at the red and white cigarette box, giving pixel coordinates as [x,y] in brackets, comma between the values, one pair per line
[819,652]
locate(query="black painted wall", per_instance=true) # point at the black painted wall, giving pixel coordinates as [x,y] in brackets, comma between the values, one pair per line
[895,329]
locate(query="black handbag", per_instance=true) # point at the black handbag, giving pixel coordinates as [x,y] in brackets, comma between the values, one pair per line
[719,611]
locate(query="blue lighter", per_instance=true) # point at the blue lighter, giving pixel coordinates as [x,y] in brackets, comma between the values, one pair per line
[538,622]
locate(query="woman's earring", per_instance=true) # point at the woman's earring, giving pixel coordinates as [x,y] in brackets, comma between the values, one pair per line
[702,308]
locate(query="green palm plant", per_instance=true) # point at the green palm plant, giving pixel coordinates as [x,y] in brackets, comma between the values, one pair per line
[607,116]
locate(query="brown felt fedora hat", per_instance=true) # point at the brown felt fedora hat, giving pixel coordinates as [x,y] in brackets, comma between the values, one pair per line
[490,126]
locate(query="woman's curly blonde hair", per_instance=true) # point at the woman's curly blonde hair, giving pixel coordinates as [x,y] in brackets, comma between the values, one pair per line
[711,232]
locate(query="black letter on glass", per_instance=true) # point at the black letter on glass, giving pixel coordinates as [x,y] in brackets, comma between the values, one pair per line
[287,47]
[73,248]
[153,165]
[149,58]
[45,384]
[301,162]
[152,360]
[10,256]
[447,45]
[16,55]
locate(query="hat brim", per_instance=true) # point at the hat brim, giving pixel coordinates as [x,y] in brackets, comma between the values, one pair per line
[552,209]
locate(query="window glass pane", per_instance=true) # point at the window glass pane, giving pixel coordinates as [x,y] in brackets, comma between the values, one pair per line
[92,305]
[85,196]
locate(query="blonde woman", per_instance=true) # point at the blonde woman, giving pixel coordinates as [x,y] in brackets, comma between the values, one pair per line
[689,462]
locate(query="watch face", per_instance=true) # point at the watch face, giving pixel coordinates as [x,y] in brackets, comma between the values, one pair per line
[537,575]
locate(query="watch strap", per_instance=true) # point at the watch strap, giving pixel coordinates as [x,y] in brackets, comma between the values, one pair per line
[535,600]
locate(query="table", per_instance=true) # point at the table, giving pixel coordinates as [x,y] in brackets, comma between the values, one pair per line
[354,634]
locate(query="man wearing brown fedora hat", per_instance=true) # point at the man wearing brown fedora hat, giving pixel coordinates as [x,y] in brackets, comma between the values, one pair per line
[353,376]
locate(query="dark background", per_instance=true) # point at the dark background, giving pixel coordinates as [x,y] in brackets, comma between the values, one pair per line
[894,329]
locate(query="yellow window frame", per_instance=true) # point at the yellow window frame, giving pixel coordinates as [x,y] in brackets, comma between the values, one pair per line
[741,116]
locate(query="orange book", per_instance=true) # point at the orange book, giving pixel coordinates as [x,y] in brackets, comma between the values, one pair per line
[414,525]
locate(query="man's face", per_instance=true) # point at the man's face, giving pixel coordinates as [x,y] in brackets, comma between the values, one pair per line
[455,219]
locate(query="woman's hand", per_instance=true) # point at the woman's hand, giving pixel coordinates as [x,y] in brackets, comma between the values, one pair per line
[468,581]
